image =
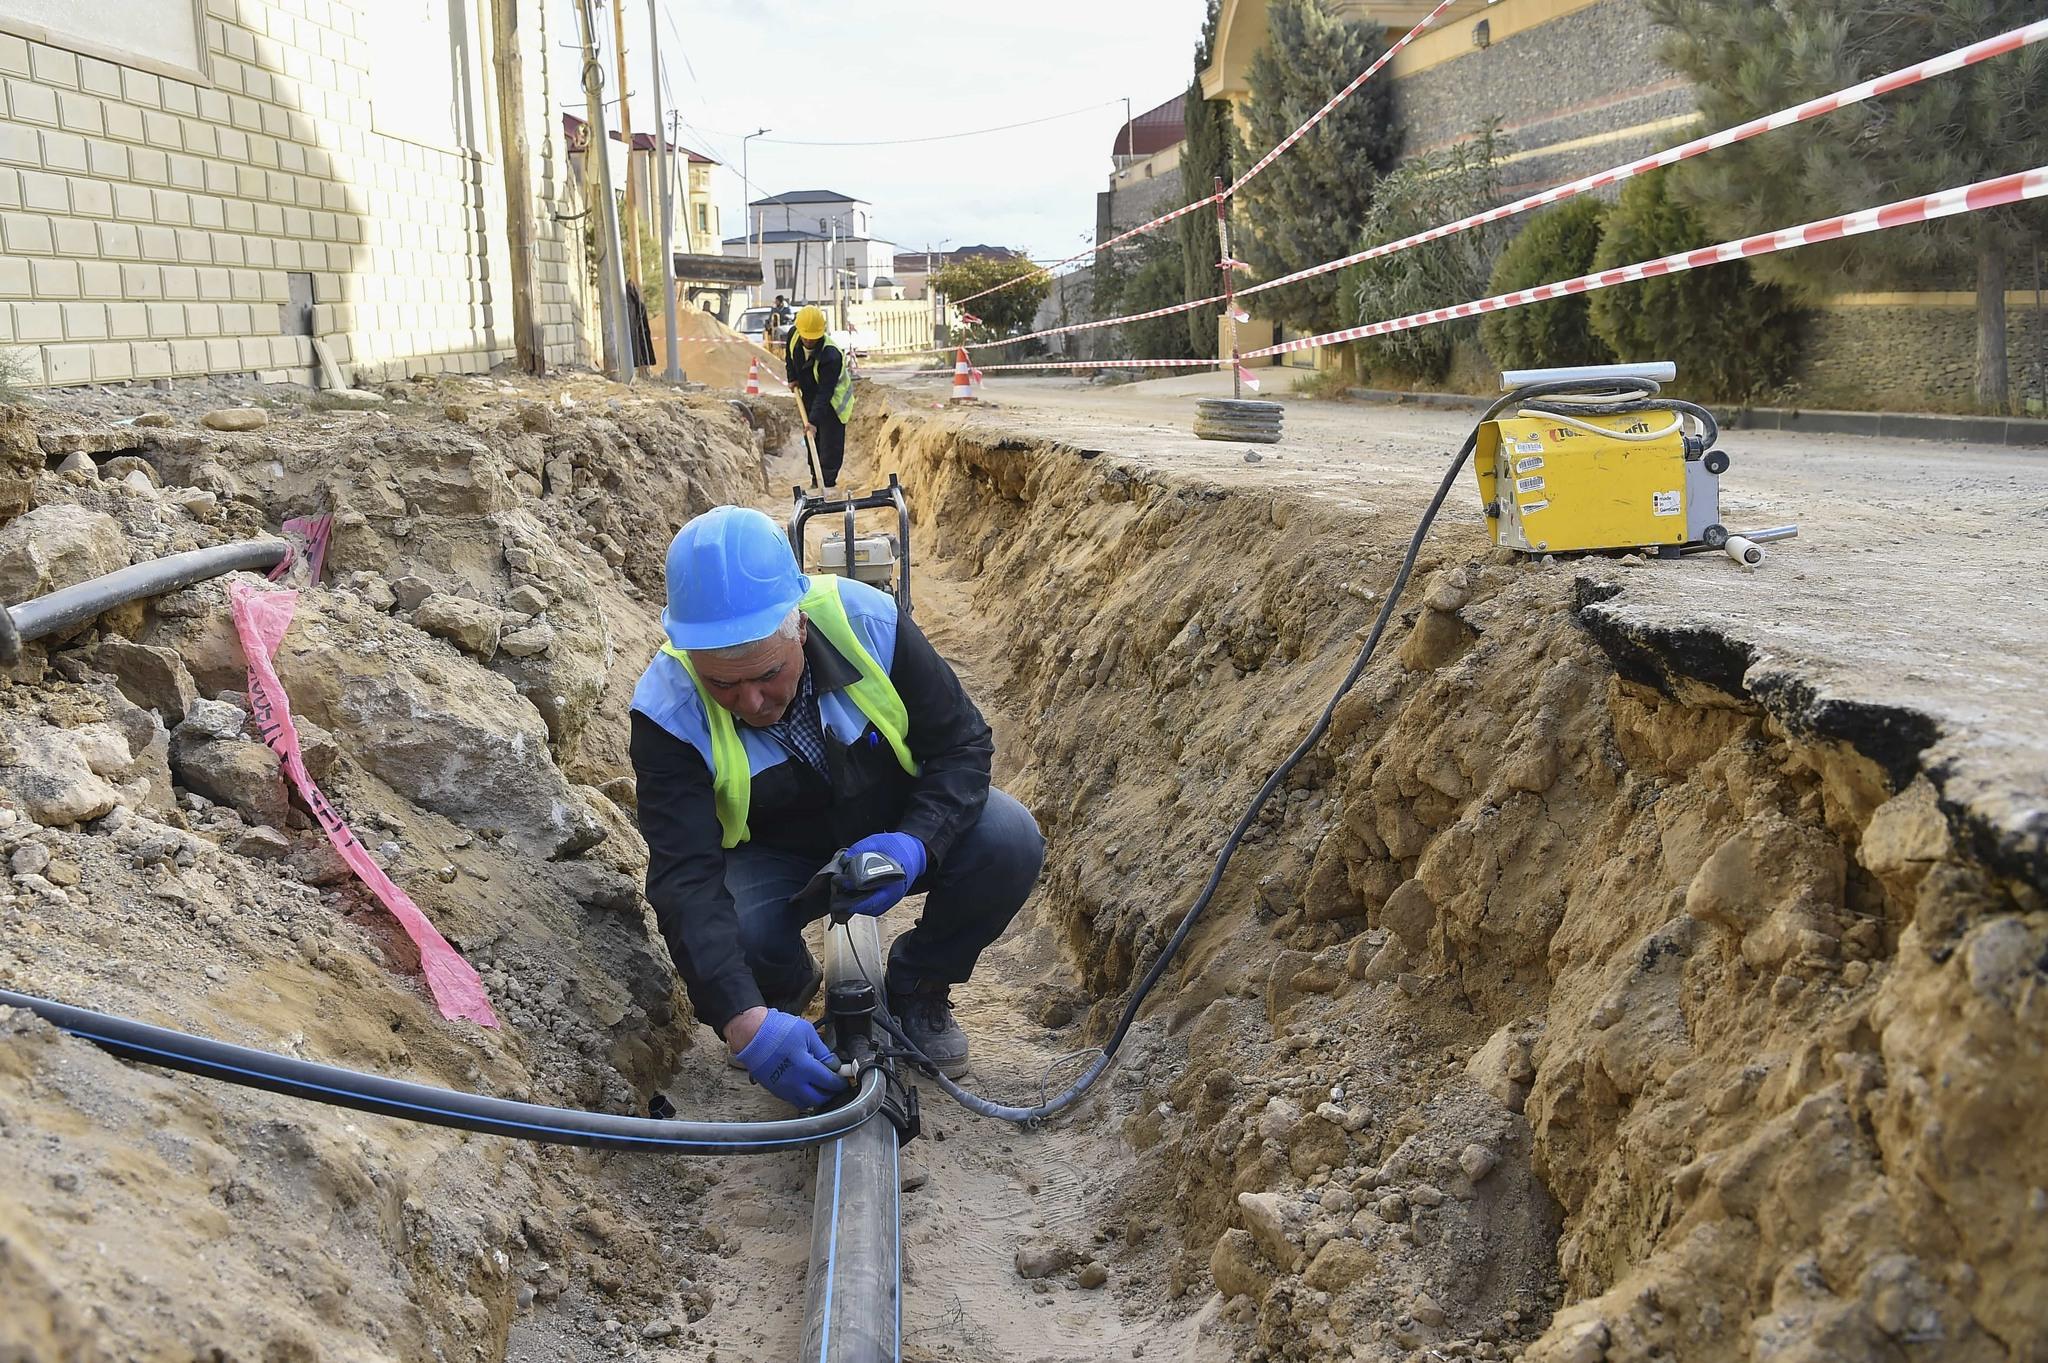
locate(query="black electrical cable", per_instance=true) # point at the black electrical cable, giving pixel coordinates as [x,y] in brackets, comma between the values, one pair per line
[1631,395]
[340,1087]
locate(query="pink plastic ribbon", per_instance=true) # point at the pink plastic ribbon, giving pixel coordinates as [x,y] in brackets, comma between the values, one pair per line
[261,619]
[315,530]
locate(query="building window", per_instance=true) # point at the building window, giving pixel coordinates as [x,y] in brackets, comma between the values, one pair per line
[785,275]
[703,218]
[164,36]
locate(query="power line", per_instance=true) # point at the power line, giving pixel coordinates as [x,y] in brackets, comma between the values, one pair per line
[939,137]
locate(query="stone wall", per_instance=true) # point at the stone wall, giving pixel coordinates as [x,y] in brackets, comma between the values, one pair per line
[1587,84]
[1127,205]
[1910,357]
[153,227]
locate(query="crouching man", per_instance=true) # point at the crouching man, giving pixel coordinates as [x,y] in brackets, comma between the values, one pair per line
[784,719]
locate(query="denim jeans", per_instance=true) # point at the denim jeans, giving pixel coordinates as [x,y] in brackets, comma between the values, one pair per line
[970,898]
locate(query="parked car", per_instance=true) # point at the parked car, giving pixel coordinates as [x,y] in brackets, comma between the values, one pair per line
[753,324]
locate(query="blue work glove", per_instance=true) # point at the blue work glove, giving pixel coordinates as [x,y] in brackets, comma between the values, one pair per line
[901,848]
[787,1058]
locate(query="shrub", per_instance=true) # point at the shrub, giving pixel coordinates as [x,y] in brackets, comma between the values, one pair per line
[1732,336]
[1557,244]
[1422,192]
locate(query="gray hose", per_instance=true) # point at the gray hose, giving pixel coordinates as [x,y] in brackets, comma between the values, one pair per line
[75,605]
[448,1107]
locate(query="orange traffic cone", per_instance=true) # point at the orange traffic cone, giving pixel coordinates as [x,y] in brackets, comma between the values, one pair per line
[753,378]
[963,378]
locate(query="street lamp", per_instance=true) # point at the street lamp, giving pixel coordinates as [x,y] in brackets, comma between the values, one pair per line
[931,294]
[747,186]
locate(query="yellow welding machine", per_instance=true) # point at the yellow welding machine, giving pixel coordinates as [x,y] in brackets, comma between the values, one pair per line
[1553,484]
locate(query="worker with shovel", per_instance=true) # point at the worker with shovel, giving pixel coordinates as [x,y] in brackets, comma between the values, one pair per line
[823,382]
[786,724]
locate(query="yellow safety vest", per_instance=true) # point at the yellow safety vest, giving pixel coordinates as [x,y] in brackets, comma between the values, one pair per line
[732,780]
[842,392]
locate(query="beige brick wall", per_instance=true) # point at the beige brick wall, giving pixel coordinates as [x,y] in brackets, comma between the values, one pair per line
[149,225]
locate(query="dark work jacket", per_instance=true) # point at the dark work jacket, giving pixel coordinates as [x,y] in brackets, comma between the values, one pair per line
[815,392]
[795,809]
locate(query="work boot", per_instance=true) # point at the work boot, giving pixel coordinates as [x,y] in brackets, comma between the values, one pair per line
[794,1002]
[926,1011]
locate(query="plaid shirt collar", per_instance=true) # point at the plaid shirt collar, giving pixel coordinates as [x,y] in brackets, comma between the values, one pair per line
[800,729]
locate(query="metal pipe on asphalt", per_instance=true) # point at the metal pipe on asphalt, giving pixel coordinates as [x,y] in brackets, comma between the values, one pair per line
[77,604]
[853,1299]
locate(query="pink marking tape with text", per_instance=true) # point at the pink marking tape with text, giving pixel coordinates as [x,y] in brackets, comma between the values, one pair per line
[261,619]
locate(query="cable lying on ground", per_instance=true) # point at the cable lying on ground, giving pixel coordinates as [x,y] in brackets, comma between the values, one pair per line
[1566,397]
[340,1087]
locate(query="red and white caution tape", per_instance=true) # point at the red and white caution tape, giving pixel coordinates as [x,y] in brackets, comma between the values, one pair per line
[1961,57]
[1318,116]
[1081,364]
[1347,92]
[2011,41]
[1995,193]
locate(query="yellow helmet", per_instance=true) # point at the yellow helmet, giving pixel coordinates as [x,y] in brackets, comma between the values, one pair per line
[810,324]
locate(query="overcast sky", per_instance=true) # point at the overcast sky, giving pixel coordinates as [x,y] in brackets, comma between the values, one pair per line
[864,70]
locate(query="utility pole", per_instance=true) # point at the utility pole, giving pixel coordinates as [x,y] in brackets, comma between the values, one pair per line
[1229,290]
[747,188]
[673,370]
[632,234]
[529,353]
[618,321]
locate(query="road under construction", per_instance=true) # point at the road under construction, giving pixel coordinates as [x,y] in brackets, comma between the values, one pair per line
[1479,921]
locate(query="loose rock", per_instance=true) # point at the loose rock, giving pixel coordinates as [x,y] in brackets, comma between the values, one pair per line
[530,642]
[470,625]
[1042,1260]
[154,678]
[236,419]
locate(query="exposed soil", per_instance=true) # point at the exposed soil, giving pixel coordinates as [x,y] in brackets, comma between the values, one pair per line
[1582,996]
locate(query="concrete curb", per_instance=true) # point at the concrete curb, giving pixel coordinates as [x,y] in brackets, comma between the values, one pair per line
[2016,432]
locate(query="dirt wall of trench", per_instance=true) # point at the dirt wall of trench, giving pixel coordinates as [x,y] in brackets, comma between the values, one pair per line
[1554,1009]
[461,677]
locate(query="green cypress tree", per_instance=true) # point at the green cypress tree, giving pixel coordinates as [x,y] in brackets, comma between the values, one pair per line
[1306,207]
[1558,243]
[1421,193]
[1204,156]
[1732,336]
[1749,57]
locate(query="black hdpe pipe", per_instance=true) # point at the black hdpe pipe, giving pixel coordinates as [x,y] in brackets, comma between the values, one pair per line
[77,604]
[1625,394]
[308,1079]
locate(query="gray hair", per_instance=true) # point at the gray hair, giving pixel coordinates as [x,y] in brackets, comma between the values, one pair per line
[786,630]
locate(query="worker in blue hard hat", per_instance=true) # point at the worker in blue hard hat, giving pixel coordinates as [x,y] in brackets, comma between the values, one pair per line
[786,719]
[817,369]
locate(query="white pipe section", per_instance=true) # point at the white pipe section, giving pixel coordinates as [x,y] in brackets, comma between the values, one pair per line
[1663,371]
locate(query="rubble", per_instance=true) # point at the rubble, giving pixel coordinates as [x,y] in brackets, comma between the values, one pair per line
[470,625]
[57,546]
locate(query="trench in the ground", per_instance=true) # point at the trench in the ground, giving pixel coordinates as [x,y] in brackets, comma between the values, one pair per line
[1528,979]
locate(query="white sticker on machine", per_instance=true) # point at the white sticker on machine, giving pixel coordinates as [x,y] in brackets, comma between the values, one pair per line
[1528,507]
[1529,465]
[1667,504]
[1529,446]
[1529,484]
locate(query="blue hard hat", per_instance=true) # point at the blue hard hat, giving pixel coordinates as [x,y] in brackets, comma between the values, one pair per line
[732,578]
